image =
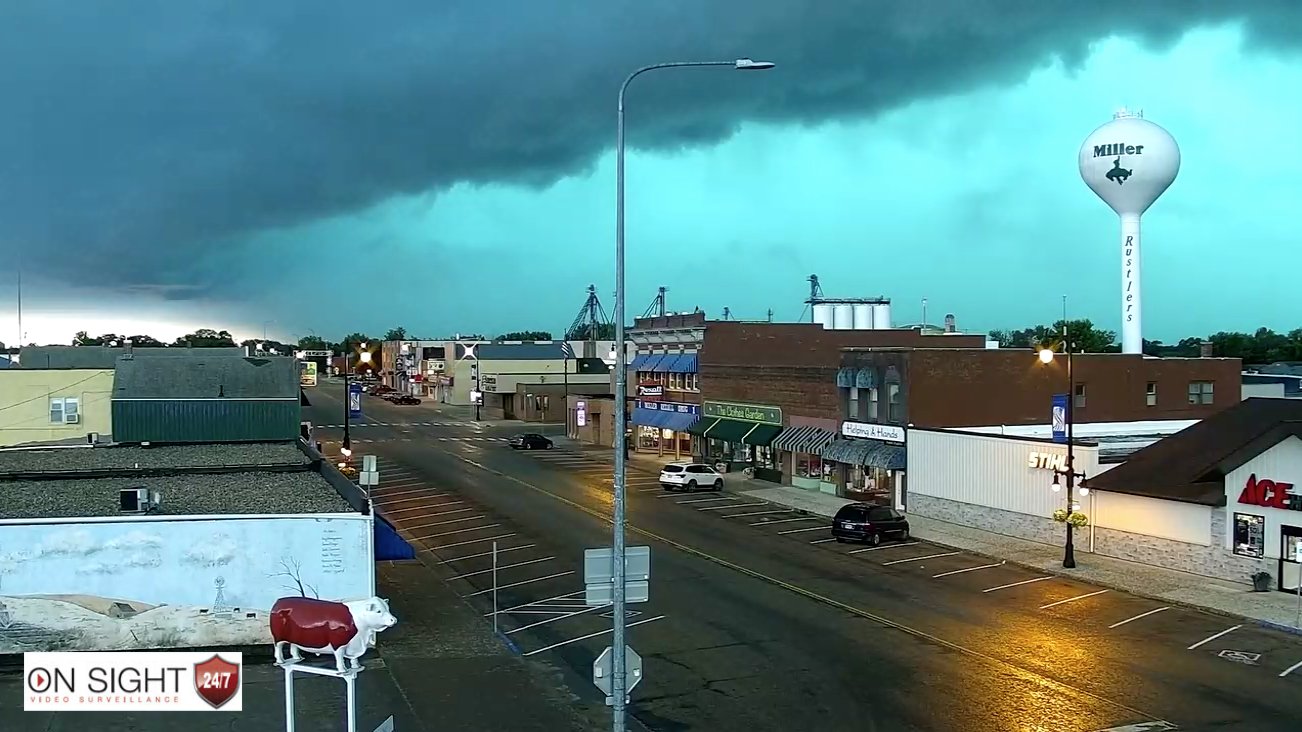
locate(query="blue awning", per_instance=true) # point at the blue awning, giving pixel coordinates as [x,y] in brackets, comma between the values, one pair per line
[639,361]
[652,362]
[677,421]
[686,364]
[665,361]
[649,417]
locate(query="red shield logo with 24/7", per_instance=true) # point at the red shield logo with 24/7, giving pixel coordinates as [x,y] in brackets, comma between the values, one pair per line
[216,681]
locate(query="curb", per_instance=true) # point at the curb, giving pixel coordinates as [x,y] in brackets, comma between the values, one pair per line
[1063,572]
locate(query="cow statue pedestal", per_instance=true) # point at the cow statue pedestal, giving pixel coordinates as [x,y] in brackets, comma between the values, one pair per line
[343,630]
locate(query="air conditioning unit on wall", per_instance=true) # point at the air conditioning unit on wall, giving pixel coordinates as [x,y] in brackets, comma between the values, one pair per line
[72,419]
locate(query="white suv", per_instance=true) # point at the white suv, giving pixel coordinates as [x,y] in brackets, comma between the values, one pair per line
[690,476]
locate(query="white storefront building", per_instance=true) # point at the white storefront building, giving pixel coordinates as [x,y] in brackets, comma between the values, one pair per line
[1221,497]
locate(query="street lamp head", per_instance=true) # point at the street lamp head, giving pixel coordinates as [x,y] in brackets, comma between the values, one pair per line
[365,357]
[1046,355]
[745,64]
[1056,485]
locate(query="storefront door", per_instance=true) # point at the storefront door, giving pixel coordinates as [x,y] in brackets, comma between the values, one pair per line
[1290,571]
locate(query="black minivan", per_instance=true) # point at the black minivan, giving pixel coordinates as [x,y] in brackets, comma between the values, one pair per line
[866,522]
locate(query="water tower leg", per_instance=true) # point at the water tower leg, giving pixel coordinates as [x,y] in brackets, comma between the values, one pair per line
[1132,332]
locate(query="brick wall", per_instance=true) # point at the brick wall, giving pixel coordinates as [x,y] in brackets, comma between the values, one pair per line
[802,391]
[808,344]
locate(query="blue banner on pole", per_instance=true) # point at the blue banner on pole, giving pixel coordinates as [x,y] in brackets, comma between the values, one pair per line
[1059,417]
[354,401]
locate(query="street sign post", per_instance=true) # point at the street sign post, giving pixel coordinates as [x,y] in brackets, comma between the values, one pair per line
[599,572]
[603,672]
[369,477]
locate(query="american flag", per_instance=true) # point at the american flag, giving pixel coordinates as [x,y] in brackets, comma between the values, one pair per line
[566,351]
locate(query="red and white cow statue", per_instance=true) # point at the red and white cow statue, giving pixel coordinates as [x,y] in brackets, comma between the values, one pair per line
[345,630]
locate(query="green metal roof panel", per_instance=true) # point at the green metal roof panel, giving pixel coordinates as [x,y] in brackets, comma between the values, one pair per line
[206,420]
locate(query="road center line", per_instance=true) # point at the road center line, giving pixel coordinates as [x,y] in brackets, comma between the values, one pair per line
[916,559]
[1017,584]
[1137,617]
[882,620]
[487,554]
[592,635]
[504,566]
[969,569]
[1072,599]
[883,546]
[1211,638]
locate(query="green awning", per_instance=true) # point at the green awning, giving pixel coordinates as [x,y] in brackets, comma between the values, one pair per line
[729,430]
[701,425]
[761,435]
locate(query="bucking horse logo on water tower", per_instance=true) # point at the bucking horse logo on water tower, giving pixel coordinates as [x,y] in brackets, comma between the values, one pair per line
[1118,173]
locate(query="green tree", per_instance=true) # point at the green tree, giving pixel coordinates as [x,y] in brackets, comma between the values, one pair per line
[144,341]
[206,338]
[605,332]
[526,335]
[396,334]
[313,343]
[1085,337]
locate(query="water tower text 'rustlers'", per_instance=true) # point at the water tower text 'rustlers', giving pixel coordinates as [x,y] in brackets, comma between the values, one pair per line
[1129,162]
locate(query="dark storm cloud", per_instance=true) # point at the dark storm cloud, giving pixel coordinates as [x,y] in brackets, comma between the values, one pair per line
[138,137]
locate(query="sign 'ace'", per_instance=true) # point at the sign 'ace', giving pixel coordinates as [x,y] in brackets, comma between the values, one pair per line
[1270,493]
[216,680]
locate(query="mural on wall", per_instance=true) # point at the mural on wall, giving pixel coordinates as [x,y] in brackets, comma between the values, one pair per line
[169,584]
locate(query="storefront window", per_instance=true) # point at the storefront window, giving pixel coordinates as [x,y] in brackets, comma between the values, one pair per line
[1249,535]
[648,438]
[870,484]
[809,466]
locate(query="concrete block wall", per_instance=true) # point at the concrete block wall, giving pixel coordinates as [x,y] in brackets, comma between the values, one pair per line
[1209,561]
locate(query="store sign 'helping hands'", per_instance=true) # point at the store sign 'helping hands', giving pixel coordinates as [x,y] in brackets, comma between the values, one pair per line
[1270,493]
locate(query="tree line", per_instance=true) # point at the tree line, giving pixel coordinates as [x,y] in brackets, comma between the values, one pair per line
[1262,346]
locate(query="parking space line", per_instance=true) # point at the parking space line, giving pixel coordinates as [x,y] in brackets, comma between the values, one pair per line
[458,531]
[649,490]
[1291,669]
[811,528]
[488,554]
[969,569]
[753,513]
[417,508]
[592,635]
[1211,638]
[518,584]
[1072,599]
[1017,584]
[787,521]
[552,620]
[536,603]
[821,541]
[918,559]
[882,546]
[398,493]
[1137,617]
[505,566]
[441,513]
[739,505]
[444,523]
[703,500]
[471,541]
[407,500]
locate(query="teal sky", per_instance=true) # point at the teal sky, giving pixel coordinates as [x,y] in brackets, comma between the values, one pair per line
[972,201]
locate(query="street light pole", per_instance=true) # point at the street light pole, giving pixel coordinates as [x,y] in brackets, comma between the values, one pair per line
[346,449]
[618,684]
[1069,553]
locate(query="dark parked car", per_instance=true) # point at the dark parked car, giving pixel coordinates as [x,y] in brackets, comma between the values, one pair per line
[530,441]
[405,399]
[865,522]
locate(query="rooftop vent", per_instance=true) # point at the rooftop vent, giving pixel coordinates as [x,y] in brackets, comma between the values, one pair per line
[139,500]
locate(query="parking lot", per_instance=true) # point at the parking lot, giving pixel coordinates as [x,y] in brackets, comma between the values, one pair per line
[538,603]
[1091,610]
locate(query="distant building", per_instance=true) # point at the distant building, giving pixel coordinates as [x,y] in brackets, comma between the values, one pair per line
[56,405]
[105,357]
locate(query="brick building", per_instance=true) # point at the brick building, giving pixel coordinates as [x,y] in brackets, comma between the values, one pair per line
[664,395]
[769,392]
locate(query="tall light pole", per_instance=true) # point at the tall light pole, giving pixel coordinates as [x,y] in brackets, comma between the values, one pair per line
[618,684]
[1069,470]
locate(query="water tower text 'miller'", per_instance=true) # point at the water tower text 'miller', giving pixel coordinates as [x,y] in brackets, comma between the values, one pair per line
[1117,148]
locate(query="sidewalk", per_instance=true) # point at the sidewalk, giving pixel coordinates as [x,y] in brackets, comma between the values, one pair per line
[1271,608]
[440,668]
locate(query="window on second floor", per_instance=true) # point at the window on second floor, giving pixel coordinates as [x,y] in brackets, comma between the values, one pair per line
[872,403]
[1150,394]
[895,411]
[1079,401]
[1201,392]
[852,411]
[65,410]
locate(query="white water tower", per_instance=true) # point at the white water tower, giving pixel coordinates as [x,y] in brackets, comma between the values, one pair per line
[1129,162]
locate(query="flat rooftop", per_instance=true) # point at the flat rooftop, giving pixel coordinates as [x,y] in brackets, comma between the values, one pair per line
[71,482]
[1116,440]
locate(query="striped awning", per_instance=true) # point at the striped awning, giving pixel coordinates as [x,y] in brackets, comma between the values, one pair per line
[639,362]
[652,362]
[686,364]
[668,363]
[805,440]
[872,453]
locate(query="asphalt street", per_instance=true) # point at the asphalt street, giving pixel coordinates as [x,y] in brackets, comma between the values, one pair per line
[759,621]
